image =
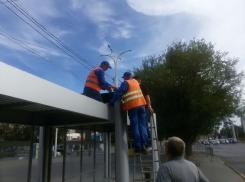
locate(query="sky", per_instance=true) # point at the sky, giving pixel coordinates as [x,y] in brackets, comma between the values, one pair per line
[86,28]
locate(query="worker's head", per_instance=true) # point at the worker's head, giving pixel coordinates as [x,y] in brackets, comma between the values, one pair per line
[174,147]
[105,65]
[127,75]
[137,78]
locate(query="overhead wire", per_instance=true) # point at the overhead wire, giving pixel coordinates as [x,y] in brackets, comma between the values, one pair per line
[41,47]
[7,2]
[40,55]
[32,19]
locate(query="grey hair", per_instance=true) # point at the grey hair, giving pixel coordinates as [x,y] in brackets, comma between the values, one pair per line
[176,147]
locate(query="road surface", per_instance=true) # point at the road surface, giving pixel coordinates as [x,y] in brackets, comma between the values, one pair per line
[233,154]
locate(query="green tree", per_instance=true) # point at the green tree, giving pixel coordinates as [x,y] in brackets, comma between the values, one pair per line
[13,132]
[192,88]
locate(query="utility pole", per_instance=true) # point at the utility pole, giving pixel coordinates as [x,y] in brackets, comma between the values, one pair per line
[115,56]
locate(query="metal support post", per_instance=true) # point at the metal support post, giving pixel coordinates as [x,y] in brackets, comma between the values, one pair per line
[64,157]
[40,155]
[30,155]
[106,152]
[122,161]
[109,154]
[44,154]
[49,152]
[94,152]
[81,154]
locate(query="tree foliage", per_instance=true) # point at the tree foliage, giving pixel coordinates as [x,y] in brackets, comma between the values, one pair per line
[226,131]
[192,88]
[14,132]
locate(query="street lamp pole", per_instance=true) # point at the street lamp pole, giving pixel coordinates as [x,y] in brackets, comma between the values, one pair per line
[115,56]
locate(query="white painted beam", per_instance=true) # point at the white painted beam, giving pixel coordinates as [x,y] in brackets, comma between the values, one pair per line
[19,84]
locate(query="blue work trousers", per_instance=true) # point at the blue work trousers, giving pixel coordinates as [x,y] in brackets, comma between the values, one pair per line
[137,118]
[89,92]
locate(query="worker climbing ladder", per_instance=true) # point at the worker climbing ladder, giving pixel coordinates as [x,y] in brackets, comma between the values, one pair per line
[149,167]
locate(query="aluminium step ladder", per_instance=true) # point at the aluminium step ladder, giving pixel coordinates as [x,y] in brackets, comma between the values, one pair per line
[149,168]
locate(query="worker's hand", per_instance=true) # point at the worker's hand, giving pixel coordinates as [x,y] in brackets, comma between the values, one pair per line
[107,104]
[109,89]
[151,110]
[115,88]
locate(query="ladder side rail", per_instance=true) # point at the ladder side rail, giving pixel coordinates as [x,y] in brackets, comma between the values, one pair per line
[156,157]
[155,127]
[134,168]
[153,148]
[141,167]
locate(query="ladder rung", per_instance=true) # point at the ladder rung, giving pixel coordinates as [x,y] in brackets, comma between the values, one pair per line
[151,127]
[157,161]
[156,150]
[147,171]
[142,166]
[145,161]
[143,180]
[154,138]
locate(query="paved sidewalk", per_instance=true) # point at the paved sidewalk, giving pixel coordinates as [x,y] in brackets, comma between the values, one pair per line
[215,170]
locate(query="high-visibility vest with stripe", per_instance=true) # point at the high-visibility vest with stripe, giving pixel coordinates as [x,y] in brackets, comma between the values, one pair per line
[92,80]
[133,97]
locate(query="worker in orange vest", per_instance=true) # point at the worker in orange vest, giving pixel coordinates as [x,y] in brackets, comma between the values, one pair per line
[148,108]
[134,103]
[96,81]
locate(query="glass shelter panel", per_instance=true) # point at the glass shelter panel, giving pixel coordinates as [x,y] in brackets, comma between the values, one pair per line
[14,152]
[99,152]
[72,161]
[88,158]
[57,162]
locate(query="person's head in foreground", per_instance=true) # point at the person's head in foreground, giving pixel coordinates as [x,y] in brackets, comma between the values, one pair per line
[174,147]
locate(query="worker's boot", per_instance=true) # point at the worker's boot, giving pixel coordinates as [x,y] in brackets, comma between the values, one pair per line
[143,149]
[137,150]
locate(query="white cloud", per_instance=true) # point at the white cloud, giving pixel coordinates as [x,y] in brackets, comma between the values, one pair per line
[220,21]
[103,16]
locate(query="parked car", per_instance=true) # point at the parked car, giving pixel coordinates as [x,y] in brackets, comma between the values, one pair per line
[205,142]
[232,140]
[218,142]
[227,141]
[57,153]
[214,142]
[222,141]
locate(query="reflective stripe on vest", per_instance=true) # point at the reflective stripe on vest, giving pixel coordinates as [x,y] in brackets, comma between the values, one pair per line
[133,97]
[130,93]
[130,98]
[92,81]
[93,77]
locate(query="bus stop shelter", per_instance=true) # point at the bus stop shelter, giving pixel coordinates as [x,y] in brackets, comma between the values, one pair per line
[29,100]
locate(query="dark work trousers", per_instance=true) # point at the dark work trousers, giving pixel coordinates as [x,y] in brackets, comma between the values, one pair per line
[89,92]
[137,118]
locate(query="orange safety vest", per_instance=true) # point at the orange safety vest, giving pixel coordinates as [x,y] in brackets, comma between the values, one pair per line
[92,80]
[133,97]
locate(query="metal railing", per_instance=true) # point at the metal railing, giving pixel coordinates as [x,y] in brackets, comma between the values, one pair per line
[203,149]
